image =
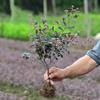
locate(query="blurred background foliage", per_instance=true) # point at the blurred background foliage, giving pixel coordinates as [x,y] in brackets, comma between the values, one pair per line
[16,16]
[36,6]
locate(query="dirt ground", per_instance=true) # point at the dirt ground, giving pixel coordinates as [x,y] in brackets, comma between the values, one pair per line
[15,69]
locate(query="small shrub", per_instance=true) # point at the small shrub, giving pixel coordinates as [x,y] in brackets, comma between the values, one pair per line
[50,44]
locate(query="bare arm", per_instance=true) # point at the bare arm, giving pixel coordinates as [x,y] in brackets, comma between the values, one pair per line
[80,67]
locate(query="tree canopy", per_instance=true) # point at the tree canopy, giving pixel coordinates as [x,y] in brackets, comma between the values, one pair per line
[36,6]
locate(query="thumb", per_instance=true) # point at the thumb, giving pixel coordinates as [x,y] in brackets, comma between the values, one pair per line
[51,82]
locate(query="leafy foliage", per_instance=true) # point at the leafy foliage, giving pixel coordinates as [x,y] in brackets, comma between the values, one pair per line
[50,44]
[20,28]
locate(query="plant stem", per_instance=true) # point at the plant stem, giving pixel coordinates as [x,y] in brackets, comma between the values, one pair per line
[47,67]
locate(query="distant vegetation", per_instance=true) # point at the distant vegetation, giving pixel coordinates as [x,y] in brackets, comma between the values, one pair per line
[20,27]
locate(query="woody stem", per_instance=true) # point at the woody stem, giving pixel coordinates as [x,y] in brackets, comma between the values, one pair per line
[46,65]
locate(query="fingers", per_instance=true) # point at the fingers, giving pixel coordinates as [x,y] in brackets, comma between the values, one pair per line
[46,76]
[53,75]
[51,82]
[52,70]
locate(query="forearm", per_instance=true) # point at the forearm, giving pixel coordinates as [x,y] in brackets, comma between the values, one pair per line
[80,67]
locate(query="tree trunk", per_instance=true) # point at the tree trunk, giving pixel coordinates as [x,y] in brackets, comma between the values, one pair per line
[12,9]
[87,19]
[96,5]
[45,8]
[54,6]
[86,6]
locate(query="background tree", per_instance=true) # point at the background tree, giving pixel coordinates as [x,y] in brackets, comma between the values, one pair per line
[45,8]
[96,5]
[39,6]
[5,6]
[12,8]
[54,7]
[87,19]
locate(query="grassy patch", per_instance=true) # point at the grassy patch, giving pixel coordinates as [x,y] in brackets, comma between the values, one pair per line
[20,27]
[15,31]
[19,90]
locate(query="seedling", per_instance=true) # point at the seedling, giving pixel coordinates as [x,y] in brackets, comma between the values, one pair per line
[51,43]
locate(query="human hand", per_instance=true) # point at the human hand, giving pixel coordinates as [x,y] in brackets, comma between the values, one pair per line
[55,74]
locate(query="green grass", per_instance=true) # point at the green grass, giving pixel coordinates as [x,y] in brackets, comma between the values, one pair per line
[16,31]
[21,91]
[20,27]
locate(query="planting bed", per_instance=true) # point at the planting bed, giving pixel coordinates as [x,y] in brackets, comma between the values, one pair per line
[7,96]
[15,69]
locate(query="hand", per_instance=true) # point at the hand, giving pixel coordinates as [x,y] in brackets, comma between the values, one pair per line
[55,74]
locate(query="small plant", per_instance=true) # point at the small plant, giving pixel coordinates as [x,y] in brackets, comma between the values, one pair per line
[51,43]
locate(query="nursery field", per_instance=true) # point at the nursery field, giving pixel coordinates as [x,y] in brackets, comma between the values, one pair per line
[21,26]
[21,79]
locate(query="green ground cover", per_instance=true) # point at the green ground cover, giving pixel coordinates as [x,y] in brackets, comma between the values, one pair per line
[29,93]
[20,27]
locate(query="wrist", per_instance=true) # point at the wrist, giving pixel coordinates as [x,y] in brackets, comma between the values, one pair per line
[66,72]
